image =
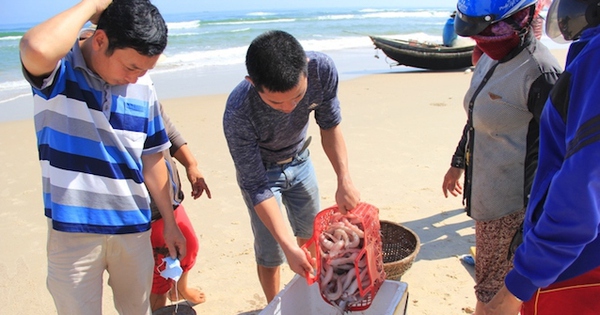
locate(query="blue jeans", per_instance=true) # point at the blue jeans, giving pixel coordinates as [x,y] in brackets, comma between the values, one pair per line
[295,185]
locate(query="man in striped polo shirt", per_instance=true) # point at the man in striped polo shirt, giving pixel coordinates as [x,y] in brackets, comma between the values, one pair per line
[100,139]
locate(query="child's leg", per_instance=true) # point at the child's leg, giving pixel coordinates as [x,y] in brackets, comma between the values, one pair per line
[160,285]
[157,301]
[183,291]
[192,295]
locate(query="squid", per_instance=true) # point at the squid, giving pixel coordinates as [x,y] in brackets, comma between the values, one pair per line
[343,273]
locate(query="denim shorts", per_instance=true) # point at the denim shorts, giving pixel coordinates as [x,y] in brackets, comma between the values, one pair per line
[295,185]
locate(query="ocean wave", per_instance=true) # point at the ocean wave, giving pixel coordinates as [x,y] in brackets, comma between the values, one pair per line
[242,22]
[268,17]
[336,17]
[336,43]
[12,90]
[11,38]
[385,14]
[2,101]
[13,85]
[213,33]
[372,10]
[183,25]
[245,29]
[407,14]
[260,13]
[236,55]
[201,58]
[184,34]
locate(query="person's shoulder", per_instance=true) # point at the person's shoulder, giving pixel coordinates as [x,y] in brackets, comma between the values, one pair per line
[240,91]
[587,59]
[321,63]
[593,38]
[319,57]
[145,80]
[239,97]
[543,57]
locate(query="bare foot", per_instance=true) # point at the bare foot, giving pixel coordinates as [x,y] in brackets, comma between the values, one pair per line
[194,296]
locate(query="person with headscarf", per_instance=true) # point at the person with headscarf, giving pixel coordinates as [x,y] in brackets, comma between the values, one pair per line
[497,152]
[537,24]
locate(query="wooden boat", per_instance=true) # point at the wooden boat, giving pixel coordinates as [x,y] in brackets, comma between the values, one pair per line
[424,55]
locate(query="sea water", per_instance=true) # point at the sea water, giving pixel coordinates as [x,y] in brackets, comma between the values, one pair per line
[206,48]
[209,39]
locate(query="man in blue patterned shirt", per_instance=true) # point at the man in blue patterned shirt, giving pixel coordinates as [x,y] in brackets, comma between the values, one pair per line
[265,123]
[100,139]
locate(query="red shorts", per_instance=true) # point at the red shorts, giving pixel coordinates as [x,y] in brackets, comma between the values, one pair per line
[574,296]
[160,285]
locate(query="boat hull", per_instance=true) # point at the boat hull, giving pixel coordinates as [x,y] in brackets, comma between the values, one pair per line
[423,55]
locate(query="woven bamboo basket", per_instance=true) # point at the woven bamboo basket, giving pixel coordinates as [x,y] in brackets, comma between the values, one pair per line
[400,247]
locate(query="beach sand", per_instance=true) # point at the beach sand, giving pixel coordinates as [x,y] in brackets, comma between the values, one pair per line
[401,129]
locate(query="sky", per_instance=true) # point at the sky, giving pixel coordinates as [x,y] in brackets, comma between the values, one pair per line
[34,11]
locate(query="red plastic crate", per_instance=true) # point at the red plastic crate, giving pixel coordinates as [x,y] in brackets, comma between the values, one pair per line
[368,216]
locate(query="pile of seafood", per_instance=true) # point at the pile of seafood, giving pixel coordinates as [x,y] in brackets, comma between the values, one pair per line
[344,273]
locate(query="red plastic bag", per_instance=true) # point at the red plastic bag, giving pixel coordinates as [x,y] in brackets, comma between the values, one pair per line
[349,270]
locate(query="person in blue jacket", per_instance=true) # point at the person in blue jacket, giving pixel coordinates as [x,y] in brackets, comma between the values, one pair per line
[557,266]
[449,35]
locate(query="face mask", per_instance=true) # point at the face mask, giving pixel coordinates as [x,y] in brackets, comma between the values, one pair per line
[497,48]
[172,269]
[499,39]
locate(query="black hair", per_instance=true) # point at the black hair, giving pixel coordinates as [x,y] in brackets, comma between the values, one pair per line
[592,14]
[135,24]
[275,60]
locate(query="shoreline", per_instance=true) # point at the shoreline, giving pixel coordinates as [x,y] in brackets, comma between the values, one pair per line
[216,80]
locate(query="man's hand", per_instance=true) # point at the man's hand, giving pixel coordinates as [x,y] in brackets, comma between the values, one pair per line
[43,45]
[100,5]
[198,183]
[298,261]
[346,196]
[156,179]
[503,303]
[175,241]
[186,158]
